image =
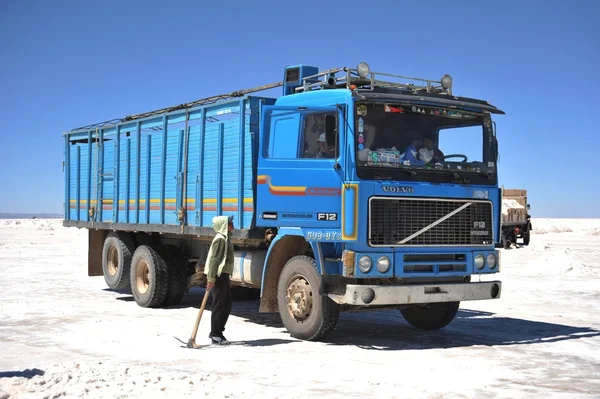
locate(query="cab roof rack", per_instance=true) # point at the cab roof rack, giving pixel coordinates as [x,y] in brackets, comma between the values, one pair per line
[362,77]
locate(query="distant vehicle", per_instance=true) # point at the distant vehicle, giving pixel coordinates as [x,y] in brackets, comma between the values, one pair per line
[341,195]
[516,221]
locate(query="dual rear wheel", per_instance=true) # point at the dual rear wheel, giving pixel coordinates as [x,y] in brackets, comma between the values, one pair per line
[156,277]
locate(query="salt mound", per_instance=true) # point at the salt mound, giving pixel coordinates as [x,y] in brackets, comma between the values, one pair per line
[510,204]
[561,262]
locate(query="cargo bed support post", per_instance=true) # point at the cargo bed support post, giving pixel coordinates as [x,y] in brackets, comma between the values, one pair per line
[220,168]
[116,173]
[67,179]
[183,211]
[163,171]
[199,177]
[241,168]
[138,138]
[78,183]
[100,202]
[89,178]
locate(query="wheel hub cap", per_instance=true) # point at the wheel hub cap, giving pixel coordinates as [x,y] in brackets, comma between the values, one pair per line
[142,272]
[113,261]
[299,298]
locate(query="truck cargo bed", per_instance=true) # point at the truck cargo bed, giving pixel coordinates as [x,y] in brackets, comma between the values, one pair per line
[134,180]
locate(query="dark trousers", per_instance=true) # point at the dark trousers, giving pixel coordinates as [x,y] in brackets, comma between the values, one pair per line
[221,305]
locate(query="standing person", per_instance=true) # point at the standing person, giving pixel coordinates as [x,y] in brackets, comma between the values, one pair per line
[219,266]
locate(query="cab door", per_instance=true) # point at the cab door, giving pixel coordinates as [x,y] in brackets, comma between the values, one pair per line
[299,178]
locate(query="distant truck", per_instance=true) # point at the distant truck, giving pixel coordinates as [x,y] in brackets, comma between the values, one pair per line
[516,221]
[341,195]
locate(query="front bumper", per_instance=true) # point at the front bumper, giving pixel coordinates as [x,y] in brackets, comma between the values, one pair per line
[372,295]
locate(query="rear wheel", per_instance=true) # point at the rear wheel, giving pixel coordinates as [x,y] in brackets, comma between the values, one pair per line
[116,260]
[431,316]
[304,313]
[149,277]
[177,274]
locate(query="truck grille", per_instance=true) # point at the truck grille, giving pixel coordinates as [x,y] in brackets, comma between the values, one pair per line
[428,222]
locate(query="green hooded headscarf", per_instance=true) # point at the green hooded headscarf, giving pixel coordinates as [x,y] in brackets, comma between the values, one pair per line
[220,254]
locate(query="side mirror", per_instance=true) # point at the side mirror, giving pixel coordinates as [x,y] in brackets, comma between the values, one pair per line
[528,207]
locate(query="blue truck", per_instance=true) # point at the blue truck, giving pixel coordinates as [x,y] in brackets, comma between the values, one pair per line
[352,190]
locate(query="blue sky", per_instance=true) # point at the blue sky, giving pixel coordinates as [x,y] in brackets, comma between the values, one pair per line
[66,64]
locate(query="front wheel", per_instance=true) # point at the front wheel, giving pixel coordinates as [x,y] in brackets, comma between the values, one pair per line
[432,316]
[304,313]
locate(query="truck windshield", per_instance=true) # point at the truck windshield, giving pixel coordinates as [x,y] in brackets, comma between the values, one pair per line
[432,143]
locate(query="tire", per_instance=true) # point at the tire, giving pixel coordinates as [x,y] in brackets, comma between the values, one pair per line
[116,260]
[177,276]
[432,316]
[149,277]
[526,238]
[312,323]
[506,242]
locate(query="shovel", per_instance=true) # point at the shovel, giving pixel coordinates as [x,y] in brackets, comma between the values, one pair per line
[192,341]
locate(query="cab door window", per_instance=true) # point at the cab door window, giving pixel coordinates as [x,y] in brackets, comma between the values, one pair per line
[319,136]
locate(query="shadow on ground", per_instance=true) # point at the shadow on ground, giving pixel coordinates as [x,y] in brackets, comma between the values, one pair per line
[387,330]
[253,343]
[28,373]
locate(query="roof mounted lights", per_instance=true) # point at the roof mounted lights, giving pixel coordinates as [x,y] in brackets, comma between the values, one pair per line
[363,70]
[447,82]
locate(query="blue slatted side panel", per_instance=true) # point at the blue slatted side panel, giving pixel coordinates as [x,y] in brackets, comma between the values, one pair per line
[83,180]
[108,187]
[174,145]
[210,173]
[145,138]
[94,177]
[251,131]
[126,175]
[230,176]
[193,167]
[72,182]
[221,155]
[132,169]
[155,176]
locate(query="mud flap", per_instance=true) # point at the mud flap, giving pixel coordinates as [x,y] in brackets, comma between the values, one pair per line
[95,244]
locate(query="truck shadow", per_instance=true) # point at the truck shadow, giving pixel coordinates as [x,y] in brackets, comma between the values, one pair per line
[387,330]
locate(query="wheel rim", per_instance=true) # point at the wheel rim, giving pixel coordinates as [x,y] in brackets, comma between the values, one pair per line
[142,273]
[113,260]
[299,298]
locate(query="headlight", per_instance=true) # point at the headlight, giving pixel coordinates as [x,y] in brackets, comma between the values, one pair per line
[491,261]
[479,261]
[363,70]
[383,264]
[364,264]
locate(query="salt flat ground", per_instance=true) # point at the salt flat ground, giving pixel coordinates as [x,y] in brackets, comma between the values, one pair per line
[63,334]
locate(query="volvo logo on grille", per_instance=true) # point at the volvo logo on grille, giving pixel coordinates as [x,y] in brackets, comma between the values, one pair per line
[398,189]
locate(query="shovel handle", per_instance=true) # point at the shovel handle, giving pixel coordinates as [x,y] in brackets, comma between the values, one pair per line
[204,300]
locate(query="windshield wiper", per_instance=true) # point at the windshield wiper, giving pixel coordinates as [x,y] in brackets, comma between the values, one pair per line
[487,175]
[408,170]
[456,178]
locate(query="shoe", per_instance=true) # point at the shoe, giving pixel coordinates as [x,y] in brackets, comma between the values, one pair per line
[219,341]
